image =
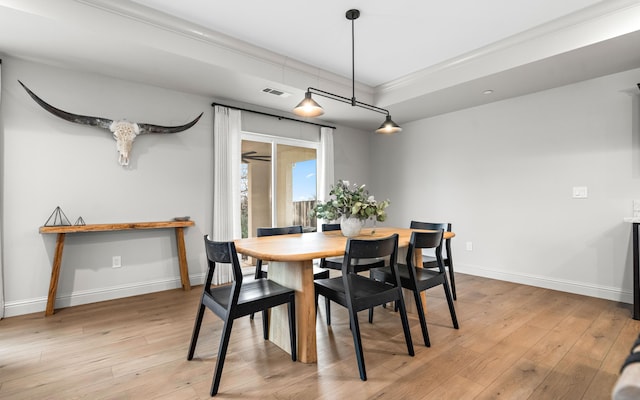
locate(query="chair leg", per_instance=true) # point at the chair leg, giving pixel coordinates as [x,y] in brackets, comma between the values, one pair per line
[371,315]
[357,343]
[196,331]
[265,324]
[222,353]
[405,324]
[292,327]
[422,318]
[259,274]
[327,306]
[453,281]
[452,310]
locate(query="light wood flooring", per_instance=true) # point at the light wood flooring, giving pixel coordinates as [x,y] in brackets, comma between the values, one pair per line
[514,342]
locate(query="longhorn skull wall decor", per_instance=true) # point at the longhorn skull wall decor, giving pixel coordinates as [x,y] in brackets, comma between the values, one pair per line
[124,132]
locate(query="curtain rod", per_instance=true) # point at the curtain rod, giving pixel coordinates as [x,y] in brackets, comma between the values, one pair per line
[272,115]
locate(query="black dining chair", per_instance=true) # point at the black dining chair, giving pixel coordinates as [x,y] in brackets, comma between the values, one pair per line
[429,261]
[335,263]
[262,270]
[236,300]
[356,292]
[420,279]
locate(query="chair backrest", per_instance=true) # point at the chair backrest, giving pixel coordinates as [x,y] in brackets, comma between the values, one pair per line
[330,227]
[283,230]
[425,240]
[384,248]
[225,253]
[434,226]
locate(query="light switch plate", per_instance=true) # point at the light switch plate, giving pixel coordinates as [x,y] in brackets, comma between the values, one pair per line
[580,192]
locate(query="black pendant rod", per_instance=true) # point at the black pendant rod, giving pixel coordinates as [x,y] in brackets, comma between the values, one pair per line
[353,64]
[272,115]
[352,15]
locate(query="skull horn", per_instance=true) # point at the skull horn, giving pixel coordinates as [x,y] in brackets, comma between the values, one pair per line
[148,128]
[78,119]
[104,122]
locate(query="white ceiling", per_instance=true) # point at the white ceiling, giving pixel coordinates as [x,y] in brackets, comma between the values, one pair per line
[415,58]
[392,38]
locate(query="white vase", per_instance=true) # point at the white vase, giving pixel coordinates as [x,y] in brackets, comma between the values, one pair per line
[350,227]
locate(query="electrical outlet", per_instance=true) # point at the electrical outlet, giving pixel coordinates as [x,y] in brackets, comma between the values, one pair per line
[469,246]
[116,262]
[580,192]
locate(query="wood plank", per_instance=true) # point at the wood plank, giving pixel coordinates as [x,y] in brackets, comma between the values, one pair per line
[569,379]
[136,348]
[55,275]
[299,277]
[313,245]
[182,259]
[115,226]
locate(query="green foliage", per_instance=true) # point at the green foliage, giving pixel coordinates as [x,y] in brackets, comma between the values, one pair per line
[350,201]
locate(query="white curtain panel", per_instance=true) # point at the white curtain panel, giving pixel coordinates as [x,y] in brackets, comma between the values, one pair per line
[226,182]
[1,224]
[325,166]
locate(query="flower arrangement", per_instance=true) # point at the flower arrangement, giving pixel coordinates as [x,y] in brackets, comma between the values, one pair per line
[350,200]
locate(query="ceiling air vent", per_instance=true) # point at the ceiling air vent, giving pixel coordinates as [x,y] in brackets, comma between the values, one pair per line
[276,92]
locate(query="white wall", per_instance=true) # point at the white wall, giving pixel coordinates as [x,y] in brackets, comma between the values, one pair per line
[352,155]
[503,175]
[49,162]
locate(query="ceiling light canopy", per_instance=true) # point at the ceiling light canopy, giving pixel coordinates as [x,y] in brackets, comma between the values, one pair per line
[310,108]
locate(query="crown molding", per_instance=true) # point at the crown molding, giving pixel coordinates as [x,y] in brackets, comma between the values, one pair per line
[307,75]
[601,22]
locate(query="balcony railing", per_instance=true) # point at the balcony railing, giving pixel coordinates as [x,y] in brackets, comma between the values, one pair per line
[301,216]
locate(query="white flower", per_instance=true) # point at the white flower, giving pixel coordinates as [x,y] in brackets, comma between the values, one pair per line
[371,199]
[346,183]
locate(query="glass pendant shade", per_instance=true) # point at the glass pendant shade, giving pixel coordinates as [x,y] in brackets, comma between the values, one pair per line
[388,127]
[308,107]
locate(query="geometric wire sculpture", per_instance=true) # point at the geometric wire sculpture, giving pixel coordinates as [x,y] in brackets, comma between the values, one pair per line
[79,222]
[57,218]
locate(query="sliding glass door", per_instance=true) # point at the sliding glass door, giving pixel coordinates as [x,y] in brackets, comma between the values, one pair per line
[278,182]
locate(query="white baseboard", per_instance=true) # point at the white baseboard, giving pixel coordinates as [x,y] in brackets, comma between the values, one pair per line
[582,288]
[39,304]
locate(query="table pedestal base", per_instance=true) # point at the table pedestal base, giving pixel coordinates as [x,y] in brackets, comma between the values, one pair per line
[297,275]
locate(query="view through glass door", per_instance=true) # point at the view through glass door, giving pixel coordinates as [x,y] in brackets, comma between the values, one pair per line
[278,184]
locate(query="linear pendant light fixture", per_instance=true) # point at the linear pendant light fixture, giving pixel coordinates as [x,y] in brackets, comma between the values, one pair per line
[309,108]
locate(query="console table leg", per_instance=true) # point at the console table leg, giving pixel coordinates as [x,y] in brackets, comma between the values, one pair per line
[55,274]
[182,259]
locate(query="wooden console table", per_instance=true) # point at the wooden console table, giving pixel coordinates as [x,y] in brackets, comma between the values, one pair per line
[63,230]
